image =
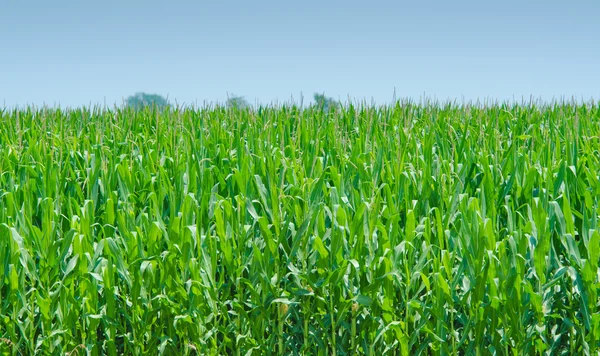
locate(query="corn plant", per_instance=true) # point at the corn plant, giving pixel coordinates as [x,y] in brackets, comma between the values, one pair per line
[430,228]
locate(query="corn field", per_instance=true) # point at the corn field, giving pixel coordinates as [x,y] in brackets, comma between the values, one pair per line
[431,228]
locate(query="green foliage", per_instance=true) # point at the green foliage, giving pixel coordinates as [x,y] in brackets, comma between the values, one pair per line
[325,103]
[435,229]
[237,102]
[140,101]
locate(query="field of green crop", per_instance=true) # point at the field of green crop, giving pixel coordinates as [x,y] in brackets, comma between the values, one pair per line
[403,229]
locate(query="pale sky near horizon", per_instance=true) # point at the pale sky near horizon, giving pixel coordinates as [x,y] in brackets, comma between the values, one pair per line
[76,53]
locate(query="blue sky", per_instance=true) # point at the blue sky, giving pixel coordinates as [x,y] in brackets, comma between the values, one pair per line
[80,52]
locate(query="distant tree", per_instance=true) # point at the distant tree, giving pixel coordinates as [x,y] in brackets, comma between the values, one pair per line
[325,103]
[237,102]
[141,100]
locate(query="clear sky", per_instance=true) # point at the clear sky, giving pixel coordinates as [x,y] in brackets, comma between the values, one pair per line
[80,52]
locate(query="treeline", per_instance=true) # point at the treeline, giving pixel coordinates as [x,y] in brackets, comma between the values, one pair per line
[141,100]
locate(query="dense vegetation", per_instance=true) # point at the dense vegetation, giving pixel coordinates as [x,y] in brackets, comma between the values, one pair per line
[141,100]
[435,228]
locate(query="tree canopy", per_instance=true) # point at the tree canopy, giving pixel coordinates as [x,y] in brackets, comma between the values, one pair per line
[324,102]
[237,102]
[141,100]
